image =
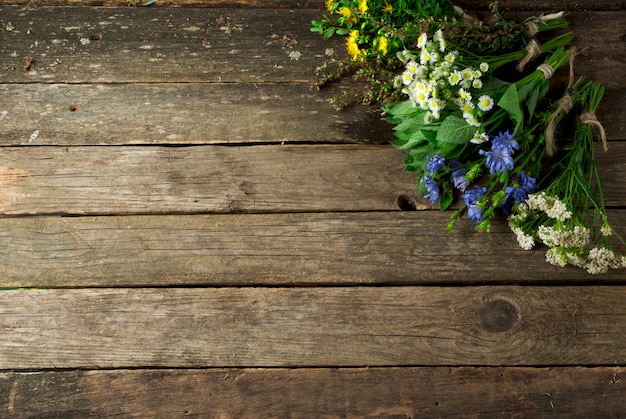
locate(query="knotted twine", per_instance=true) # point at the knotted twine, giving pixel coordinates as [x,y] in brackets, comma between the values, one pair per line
[565,103]
[591,119]
[565,106]
[532,25]
[533,51]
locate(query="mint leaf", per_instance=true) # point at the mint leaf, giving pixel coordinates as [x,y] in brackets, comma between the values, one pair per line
[510,102]
[455,130]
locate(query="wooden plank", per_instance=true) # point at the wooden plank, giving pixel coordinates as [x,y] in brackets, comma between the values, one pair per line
[408,248]
[124,180]
[102,45]
[289,327]
[583,5]
[182,113]
[212,45]
[215,113]
[219,179]
[571,392]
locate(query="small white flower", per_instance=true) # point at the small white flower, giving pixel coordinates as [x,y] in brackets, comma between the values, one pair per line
[468,74]
[556,256]
[450,57]
[477,84]
[404,56]
[477,74]
[484,67]
[465,95]
[422,40]
[428,117]
[525,241]
[412,67]
[479,138]
[425,57]
[455,78]
[407,77]
[485,103]
[606,230]
[472,120]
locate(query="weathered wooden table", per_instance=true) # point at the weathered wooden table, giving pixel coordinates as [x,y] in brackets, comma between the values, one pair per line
[187,229]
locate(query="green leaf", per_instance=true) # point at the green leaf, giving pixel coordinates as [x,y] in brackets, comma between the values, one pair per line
[510,102]
[446,197]
[455,130]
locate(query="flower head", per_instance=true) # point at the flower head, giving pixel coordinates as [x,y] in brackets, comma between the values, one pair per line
[435,163]
[383,45]
[432,188]
[505,141]
[363,8]
[485,103]
[499,161]
[459,180]
[471,198]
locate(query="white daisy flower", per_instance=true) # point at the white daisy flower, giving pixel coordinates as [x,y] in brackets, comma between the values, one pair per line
[465,95]
[455,78]
[485,103]
[479,138]
[422,40]
[477,84]
[484,67]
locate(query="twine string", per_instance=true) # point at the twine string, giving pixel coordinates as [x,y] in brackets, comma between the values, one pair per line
[533,51]
[591,119]
[532,25]
[565,105]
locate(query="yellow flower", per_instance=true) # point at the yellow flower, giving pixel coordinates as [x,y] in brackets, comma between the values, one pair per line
[330,4]
[383,44]
[363,6]
[388,7]
[353,46]
[347,14]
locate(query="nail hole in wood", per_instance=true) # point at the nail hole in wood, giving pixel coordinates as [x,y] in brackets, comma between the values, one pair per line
[406,203]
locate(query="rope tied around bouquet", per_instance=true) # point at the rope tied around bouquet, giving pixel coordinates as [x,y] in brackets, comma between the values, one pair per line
[532,25]
[533,51]
[565,104]
[591,119]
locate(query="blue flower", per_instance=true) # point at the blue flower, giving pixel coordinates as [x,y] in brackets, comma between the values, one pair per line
[518,194]
[432,188]
[459,180]
[435,163]
[527,183]
[504,141]
[498,160]
[471,198]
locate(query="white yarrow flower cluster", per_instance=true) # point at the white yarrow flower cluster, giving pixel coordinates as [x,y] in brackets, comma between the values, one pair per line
[567,242]
[433,82]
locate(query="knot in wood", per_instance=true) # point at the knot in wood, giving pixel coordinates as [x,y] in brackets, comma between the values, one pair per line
[499,316]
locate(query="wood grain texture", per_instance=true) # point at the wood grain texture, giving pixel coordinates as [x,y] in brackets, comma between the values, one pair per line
[219,45]
[477,392]
[106,180]
[289,327]
[403,248]
[584,5]
[102,45]
[220,179]
[201,113]
[182,113]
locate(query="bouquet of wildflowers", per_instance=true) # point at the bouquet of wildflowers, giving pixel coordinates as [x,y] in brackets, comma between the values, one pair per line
[476,128]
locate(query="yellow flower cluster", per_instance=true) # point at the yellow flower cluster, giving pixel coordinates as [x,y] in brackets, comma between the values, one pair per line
[353,45]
